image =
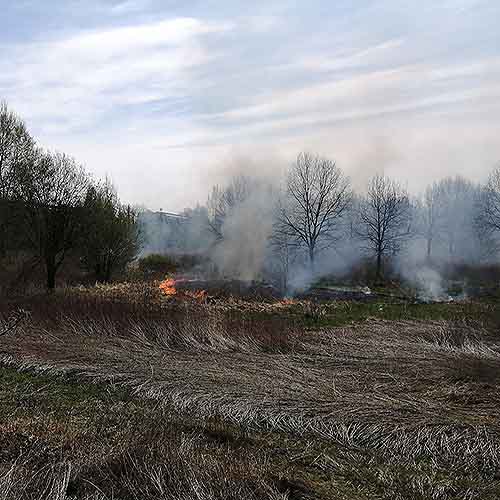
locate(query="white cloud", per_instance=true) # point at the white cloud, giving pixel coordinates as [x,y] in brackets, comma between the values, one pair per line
[74,80]
[107,43]
[369,93]
[155,103]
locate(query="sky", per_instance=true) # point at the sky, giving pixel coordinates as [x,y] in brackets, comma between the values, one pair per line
[168,97]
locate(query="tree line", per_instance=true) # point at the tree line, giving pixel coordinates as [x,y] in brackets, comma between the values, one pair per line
[50,207]
[316,209]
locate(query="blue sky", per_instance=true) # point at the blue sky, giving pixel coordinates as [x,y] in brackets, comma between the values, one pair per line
[169,97]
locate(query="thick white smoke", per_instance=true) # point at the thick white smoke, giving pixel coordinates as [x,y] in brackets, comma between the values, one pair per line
[246,233]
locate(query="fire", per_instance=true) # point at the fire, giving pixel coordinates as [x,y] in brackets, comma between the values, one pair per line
[168,287]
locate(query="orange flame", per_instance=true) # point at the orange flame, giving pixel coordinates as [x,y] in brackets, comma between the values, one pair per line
[168,287]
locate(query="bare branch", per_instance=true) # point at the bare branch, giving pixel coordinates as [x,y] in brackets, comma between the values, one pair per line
[316,198]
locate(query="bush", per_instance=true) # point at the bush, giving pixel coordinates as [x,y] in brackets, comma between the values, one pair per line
[157,266]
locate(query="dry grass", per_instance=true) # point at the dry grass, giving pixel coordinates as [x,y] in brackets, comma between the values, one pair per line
[381,409]
[182,468]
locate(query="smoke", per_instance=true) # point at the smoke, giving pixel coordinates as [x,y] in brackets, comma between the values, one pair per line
[265,166]
[169,233]
[430,284]
[443,235]
[427,281]
[446,235]
[247,230]
[337,261]
[375,156]
[158,232]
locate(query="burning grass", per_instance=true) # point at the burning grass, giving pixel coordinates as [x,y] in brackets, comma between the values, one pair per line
[148,298]
[168,287]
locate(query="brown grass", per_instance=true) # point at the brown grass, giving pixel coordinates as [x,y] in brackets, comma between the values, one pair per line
[406,409]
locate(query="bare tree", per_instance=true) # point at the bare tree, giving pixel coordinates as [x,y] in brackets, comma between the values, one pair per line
[316,198]
[384,218]
[16,146]
[52,187]
[431,217]
[283,251]
[489,215]
[459,200]
[223,201]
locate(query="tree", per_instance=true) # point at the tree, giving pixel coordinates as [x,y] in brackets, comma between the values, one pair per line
[430,216]
[459,199]
[283,254]
[52,187]
[489,216]
[223,201]
[111,236]
[317,196]
[16,147]
[384,216]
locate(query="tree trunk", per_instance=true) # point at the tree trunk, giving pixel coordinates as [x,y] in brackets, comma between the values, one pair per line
[4,228]
[51,274]
[4,218]
[311,259]
[107,274]
[98,272]
[429,248]
[3,240]
[378,276]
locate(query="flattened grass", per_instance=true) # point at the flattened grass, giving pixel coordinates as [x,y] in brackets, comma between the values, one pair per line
[115,400]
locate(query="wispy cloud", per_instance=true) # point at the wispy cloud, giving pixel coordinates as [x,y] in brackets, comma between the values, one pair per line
[72,82]
[129,6]
[178,82]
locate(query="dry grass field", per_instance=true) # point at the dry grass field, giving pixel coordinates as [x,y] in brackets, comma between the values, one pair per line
[120,393]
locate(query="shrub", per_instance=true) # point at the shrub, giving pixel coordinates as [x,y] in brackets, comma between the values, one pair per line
[157,266]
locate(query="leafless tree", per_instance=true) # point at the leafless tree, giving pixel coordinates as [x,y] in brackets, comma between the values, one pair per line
[430,216]
[384,218]
[16,146]
[489,215]
[283,250]
[223,200]
[459,199]
[316,198]
[52,187]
